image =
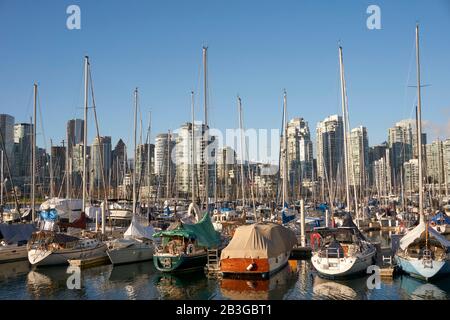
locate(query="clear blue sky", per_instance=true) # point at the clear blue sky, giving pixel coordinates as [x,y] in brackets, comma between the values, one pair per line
[256,48]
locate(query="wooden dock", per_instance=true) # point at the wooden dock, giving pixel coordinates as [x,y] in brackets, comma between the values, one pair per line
[90,262]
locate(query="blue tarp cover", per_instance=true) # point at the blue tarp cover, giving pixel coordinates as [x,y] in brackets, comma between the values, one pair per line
[13,233]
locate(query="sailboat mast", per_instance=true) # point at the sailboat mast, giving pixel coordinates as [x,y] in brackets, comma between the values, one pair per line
[2,181]
[419,127]
[242,150]
[86,80]
[193,148]
[205,146]
[135,149]
[33,155]
[52,190]
[285,152]
[149,161]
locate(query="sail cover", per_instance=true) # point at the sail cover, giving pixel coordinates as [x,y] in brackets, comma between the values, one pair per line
[419,232]
[259,240]
[137,230]
[62,206]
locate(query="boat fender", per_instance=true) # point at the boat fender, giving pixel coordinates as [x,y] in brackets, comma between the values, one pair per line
[251,266]
[190,248]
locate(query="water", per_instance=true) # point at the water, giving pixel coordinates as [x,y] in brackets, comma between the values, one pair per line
[297,281]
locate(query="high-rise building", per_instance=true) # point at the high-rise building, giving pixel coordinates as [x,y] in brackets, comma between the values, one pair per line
[23,138]
[359,157]
[403,144]
[7,132]
[411,169]
[100,157]
[446,152]
[435,163]
[226,176]
[75,133]
[143,172]
[375,153]
[119,163]
[330,147]
[299,153]
[184,158]
[164,163]
[77,165]
[58,156]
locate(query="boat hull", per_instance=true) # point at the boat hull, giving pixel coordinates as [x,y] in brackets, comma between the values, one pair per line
[132,254]
[179,263]
[261,267]
[39,257]
[13,253]
[332,268]
[415,267]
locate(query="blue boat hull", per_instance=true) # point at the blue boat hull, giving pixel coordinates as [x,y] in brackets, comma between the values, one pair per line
[416,268]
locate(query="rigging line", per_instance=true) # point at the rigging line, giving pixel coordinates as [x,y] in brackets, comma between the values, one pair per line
[411,60]
[41,123]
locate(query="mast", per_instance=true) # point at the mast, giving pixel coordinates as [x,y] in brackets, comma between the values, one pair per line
[2,179]
[135,149]
[341,68]
[419,127]
[67,169]
[52,190]
[168,167]
[285,153]
[193,149]
[149,164]
[205,147]
[33,156]
[242,150]
[86,63]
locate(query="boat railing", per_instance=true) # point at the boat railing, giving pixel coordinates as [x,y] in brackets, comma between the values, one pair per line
[427,259]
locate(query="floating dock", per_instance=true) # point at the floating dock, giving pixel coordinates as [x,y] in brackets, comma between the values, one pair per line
[300,253]
[90,262]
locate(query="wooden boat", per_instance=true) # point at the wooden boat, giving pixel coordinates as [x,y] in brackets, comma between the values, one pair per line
[185,246]
[260,249]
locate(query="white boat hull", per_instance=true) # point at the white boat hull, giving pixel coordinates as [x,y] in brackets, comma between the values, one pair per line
[134,253]
[10,253]
[416,268]
[342,267]
[39,257]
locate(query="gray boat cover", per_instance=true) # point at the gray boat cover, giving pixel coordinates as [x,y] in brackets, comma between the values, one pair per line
[419,232]
[13,233]
[260,240]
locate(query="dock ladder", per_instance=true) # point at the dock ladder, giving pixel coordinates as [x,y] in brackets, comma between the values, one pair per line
[212,267]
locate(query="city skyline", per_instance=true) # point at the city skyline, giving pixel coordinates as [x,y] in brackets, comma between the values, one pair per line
[166,64]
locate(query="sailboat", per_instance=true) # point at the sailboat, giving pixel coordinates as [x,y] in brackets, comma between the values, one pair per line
[49,246]
[342,251]
[287,213]
[423,252]
[137,244]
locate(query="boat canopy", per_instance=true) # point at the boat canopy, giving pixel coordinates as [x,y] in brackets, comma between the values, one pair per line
[63,206]
[14,233]
[260,240]
[137,230]
[419,232]
[203,232]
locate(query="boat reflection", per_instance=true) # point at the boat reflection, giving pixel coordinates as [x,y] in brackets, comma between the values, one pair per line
[46,283]
[273,288]
[183,286]
[419,290]
[13,269]
[333,290]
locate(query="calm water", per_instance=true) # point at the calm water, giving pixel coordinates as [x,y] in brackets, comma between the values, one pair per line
[141,281]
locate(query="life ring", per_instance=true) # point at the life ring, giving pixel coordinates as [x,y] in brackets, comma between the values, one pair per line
[190,248]
[315,238]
